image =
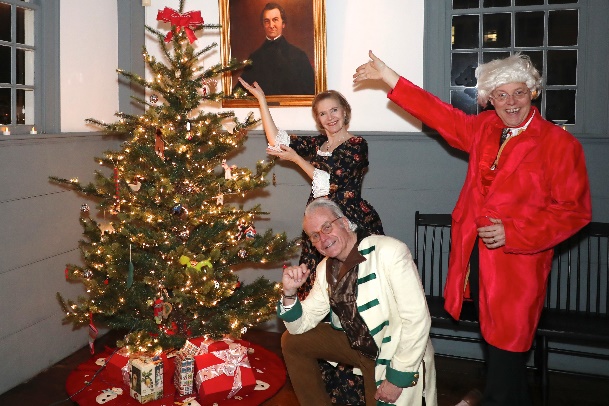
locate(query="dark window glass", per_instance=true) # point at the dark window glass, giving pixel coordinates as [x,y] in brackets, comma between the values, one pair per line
[5,106]
[562,28]
[20,68]
[528,2]
[497,30]
[529,29]
[562,1]
[5,22]
[465,31]
[5,65]
[562,68]
[489,56]
[457,4]
[464,100]
[497,3]
[463,69]
[560,105]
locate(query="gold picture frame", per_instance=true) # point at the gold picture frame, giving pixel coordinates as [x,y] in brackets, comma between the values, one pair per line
[306,29]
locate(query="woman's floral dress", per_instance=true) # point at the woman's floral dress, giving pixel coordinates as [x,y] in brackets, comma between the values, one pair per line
[346,165]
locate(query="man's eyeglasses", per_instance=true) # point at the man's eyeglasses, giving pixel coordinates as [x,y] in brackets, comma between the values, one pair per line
[326,228]
[503,96]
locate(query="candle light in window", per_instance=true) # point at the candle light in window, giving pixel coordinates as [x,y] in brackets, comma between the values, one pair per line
[6,131]
[33,131]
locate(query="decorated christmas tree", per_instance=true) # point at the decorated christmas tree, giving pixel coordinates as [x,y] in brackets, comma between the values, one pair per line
[162,263]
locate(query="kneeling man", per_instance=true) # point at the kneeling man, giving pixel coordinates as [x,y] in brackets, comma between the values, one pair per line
[379,317]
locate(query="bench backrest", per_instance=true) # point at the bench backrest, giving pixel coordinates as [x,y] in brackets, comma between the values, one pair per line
[580,269]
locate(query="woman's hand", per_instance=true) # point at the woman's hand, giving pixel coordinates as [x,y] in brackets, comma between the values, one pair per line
[493,236]
[254,89]
[285,152]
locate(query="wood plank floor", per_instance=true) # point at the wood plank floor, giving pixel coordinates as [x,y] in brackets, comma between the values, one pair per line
[455,378]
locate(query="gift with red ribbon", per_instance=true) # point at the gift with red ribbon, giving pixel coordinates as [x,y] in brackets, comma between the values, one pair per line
[186,21]
[224,374]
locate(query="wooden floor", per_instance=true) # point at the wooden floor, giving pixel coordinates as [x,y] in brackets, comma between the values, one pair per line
[455,378]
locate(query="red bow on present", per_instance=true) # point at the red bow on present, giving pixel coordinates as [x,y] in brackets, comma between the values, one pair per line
[187,21]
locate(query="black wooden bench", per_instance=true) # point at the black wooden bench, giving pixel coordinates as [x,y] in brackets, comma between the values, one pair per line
[576,309]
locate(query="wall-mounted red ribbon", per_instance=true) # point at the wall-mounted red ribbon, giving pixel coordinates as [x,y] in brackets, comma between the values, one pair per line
[187,21]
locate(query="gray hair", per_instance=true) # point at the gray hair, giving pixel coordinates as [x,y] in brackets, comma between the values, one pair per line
[516,68]
[324,203]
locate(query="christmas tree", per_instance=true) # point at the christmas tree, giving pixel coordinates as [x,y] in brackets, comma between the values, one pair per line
[163,266]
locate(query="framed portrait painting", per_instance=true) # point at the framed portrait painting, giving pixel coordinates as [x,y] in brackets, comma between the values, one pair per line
[284,43]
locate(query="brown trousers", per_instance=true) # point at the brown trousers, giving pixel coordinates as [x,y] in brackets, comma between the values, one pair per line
[301,352]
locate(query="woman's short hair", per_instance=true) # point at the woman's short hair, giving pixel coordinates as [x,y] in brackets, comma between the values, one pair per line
[334,208]
[330,94]
[516,68]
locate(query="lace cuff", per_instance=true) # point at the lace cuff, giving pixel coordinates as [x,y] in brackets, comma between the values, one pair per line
[282,138]
[321,183]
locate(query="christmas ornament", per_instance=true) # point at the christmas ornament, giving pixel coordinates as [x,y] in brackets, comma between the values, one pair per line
[274,179]
[92,334]
[219,199]
[87,273]
[84,210]
[67,273]
[135,186]
[241,227]
[228,170]
[154,98]
[250,232]
[184,260]
[216,284]
[161,310]
[242,253]
[187,22]
[178,210]
[159,144]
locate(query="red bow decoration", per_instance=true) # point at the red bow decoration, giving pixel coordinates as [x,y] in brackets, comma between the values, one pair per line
[187,21]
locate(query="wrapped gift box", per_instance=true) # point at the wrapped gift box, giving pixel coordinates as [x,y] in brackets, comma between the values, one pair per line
[223,374]
[183,377]
[146,382]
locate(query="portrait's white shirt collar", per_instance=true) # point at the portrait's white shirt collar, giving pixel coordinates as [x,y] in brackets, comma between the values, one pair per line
[274,39]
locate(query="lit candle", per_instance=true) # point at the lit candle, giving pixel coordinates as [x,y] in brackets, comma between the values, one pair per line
[5,131]
[33,131]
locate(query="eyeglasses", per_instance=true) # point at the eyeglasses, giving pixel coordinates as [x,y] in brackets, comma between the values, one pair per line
[503,96]
[326,228]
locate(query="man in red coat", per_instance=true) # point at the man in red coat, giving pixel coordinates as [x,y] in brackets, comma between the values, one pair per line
[525,191]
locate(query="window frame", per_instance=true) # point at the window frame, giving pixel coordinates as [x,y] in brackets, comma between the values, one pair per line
[592,102]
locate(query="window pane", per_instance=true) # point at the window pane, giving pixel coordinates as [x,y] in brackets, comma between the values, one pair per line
[562,68]
[25,26]
[465,32]
[562,1]
[5,66]
[25,67]
[464,100]
[529,29]
[489,56]
[497,3]
[25,106]
[5,106]
[528,2]
[465,4]
[560,105]
[463,69]
[497,30]
[5,22]
[562,27]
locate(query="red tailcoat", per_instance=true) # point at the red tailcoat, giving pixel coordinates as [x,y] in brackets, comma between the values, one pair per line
[541,193]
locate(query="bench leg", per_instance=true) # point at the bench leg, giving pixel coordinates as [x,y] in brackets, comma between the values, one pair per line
[541,361]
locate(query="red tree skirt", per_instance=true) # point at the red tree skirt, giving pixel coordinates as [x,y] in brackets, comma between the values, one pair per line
[267,367]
